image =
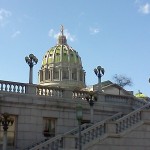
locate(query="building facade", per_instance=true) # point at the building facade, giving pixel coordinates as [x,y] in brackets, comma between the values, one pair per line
[44,114]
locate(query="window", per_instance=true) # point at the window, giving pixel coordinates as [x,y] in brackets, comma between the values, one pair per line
[65,74]
[49,127]
[74,74]
[56,74]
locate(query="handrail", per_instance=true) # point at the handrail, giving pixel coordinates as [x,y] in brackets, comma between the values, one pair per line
[95,131]
[129,120]
[9,86]
[49,91]
[57,141]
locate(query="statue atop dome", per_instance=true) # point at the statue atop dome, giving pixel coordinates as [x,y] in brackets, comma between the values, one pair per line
[61,38]
[62,30]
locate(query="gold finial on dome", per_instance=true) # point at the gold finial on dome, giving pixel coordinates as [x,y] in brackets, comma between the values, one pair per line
[62,30]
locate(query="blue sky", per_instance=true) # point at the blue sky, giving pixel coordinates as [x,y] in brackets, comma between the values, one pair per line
[112,33]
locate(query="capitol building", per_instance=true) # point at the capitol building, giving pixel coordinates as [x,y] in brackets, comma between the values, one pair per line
[62,113]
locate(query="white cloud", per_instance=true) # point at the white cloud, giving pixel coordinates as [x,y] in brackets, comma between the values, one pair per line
[55,35]
[51,32]
[94,30]
[4,14]
[145,8]
[15,34]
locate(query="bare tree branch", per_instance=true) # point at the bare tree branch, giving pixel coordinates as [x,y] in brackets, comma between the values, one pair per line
[122,80]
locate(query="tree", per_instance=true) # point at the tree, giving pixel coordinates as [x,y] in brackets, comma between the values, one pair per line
[122,80]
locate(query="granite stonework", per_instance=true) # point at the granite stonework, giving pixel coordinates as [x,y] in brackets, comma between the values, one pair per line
[30,109]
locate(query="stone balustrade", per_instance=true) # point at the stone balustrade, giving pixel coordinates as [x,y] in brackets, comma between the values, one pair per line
[52,144]
[129,120]
[56,142]
[137,103]
[49,91]
[16,87]
[118,99]
[33,89]
[80,94]
[96,131]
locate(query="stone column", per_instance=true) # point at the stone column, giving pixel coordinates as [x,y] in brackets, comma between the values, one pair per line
[44,74]
[60,74]
[70,74]
[52,74]
[78,75]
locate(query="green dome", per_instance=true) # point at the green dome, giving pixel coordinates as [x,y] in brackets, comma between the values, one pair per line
[61,53]
[62,66]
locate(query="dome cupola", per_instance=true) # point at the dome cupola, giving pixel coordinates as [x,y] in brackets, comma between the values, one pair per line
[62,66]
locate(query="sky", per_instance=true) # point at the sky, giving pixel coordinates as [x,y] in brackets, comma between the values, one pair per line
[114,34]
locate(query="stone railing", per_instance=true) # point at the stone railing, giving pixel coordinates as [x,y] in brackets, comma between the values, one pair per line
[56,142]
[120,99]
[34,89]
[16,87]
[96,131]
[51,144]
[129,120]
[49,91]
[80,94]
[137,103]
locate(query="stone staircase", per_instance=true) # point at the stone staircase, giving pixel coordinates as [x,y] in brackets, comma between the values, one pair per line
[92,134]
[101,131]
[57,142]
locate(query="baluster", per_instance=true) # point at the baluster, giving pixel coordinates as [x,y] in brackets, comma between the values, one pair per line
[14,88]
[92,134]
[2,87]
[139,116]
[84,138]
[129,119]
[18,88]
[96,132]
[9,88]
[46,93]
[22,89]
[41,91]
[100,130]
[117,128]
[88,135]
[127,123]
[120,124]
[76,142]
[38,91]
[52,93]
[104,128]
[123,125]
[61,143]
[6,87]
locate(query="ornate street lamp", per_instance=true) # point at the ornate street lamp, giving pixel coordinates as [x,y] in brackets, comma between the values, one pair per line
[5,121]
[79,115]
[31,61]
[99,71]
[91,98]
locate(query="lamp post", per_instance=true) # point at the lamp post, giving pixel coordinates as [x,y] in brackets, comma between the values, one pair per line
[91,99]
[31,61]
[99,71]
[79,115]
[5,121]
